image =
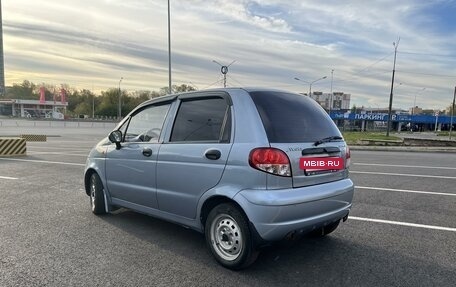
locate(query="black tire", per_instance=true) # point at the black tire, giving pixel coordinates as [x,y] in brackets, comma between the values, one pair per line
[96,193]
[229,238]
[325,230]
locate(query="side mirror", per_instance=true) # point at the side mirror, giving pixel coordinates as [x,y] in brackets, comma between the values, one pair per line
[116,137]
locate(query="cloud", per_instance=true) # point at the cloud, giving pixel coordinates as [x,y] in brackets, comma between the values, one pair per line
[88,43]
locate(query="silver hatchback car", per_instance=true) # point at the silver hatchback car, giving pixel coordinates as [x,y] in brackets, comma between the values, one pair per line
[246,167]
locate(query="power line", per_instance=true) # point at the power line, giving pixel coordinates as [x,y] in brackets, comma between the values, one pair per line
[384,71]
[427,74]
[418,73]
[242,85]
[426,54]
[370,66]
[353,76]
[219,80]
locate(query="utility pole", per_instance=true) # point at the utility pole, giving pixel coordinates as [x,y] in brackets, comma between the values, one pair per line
[452,112]
[223,70]
[392,87]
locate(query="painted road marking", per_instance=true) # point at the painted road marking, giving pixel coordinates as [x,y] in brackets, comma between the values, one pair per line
[403,223]
[7,177]
[404,190]
[403,174]
[54,153]
[61,148]
[43,161]
[408,166]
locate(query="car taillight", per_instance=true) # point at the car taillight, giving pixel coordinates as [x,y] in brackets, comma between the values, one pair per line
[347,157]
[270,160]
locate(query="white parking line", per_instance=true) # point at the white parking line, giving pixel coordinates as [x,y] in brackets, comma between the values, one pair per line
[408,166]
[402,174]
[403,223]
[77,149]
[43,161]
[405,190]
[7,177]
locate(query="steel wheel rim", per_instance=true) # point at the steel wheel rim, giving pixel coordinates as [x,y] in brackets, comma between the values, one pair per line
[226,237]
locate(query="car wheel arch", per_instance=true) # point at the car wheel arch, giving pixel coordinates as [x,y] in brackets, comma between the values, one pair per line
[87,176]
[211,203]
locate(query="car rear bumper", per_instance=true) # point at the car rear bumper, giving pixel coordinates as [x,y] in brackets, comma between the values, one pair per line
[276,213]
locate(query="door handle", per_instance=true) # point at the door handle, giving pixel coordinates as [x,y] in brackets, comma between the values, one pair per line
[213,154]
[147,152]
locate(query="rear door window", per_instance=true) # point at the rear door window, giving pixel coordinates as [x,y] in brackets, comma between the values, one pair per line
[202,120]
[289,118]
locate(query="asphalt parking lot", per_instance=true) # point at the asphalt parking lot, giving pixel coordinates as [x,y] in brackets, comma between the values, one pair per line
[401,231]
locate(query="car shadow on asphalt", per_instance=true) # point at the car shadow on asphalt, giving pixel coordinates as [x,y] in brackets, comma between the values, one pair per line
[339,259]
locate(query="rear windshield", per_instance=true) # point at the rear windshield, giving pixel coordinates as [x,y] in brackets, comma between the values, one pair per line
[289,118]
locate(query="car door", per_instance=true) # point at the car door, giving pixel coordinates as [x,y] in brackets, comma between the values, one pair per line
[131,170]
[193,158]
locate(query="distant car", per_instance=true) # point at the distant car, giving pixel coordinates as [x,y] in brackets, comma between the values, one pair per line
[243,166]
[27,114]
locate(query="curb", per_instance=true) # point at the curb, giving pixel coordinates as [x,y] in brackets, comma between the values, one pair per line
[13,147]
[33,138]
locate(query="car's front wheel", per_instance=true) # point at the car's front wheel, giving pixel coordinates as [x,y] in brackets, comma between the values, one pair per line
[229,238]
[97,201]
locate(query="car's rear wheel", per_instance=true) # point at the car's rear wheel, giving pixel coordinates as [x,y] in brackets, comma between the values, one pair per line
[97,201]
[229,238]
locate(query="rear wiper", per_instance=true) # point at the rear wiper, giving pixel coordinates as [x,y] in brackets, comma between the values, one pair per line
[328,139]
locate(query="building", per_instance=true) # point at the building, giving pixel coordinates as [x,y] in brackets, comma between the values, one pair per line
[415,110]
[336,101]
[32,108]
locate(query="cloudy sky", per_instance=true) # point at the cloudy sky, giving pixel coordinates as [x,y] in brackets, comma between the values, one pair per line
[93,43]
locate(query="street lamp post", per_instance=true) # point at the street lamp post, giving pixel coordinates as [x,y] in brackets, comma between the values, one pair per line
[119,111]
[93,103]
[413,108]
[310,83]
[331,91]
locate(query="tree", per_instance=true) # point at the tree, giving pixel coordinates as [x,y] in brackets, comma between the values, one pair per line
[74,99]
[177,89]
[183,88]
[353,109]
[145,95]
[25,91]
[108,103]
[449,110]
[84,103]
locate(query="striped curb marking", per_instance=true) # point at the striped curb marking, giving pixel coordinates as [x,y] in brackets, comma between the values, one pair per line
[12,147]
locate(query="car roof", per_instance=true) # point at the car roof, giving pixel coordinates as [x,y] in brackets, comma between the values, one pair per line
[171,97]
